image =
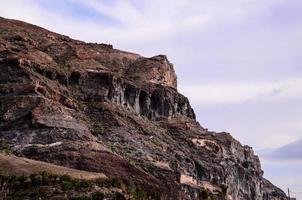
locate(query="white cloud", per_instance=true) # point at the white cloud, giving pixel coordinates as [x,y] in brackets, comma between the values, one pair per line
[156,21]
[292,150]
[294,125]
[207,40]
[230,93]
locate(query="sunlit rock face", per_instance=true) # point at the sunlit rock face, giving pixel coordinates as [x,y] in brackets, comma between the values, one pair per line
[95,108]
[151,100]
[155,70]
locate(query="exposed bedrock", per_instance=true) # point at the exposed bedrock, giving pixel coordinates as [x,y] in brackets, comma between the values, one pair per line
[95,108]
[156,69]
[152,100]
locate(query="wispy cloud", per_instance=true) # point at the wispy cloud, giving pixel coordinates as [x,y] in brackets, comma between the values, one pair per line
[292,151]
[153,21]
[239,62]
[230,93]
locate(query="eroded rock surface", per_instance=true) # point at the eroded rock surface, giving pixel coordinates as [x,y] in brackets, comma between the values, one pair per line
[95,108]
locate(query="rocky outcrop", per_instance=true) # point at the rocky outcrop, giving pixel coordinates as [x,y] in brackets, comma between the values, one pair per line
[151,100]
[155,70]
[95,108]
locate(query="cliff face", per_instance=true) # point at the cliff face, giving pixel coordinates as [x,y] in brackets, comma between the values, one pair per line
[95,108]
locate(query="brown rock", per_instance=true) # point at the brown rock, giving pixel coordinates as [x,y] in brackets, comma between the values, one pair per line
[95,108]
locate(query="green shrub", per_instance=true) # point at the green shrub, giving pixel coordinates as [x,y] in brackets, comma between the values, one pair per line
[204,194]
[66,177]
[110,182]
[98,130]
[78,184]
[45,177]
[139,194]
[38,185]
[36,180]
[97,196]
[5,147]
[118,196]
[66,185]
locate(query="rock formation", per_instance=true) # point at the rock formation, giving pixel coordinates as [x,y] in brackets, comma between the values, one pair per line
[95,108]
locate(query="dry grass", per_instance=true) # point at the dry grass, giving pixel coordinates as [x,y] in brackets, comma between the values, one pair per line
[18,166]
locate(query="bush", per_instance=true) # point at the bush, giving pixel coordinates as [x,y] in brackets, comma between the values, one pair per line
[204,194]
[66,177]
[5,147]
[97,196]
[110,182]
[45,177]
[139,194]
[36,180]
[78,184]
[98,130]
[67,186]
[118,196]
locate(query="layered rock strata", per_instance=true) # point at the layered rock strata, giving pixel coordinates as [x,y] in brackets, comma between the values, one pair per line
[95,108]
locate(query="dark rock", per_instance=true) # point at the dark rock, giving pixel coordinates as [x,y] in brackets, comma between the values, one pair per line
[96,108]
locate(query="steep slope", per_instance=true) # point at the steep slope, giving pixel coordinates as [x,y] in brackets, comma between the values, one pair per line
[13,165]
[95,108]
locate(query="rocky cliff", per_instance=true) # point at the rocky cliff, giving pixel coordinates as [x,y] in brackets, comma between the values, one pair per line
[97,109]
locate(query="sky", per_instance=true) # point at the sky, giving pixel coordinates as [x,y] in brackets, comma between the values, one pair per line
[238,61]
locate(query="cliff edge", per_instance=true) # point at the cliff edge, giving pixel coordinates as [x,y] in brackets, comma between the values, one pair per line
[94,108]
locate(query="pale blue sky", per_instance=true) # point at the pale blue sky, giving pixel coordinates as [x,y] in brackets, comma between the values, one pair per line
[238,61]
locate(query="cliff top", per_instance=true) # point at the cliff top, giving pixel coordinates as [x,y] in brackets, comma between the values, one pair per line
[56,51]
